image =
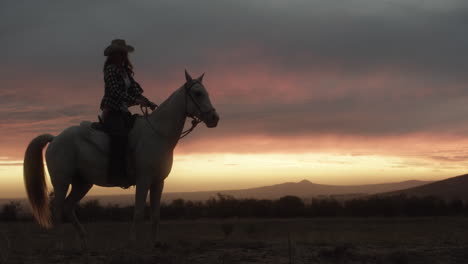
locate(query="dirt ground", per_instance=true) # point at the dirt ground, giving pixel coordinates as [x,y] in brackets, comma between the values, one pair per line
[391,240]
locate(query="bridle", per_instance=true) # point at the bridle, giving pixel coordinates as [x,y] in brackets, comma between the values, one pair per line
[188,87]
[195,120]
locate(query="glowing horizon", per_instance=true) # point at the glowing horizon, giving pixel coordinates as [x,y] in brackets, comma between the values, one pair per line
[227,171]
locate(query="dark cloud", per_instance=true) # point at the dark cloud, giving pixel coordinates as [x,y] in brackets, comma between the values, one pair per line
[354,68]
[11,164]
[170,35]
[456,159]
[344,116]
[31,114]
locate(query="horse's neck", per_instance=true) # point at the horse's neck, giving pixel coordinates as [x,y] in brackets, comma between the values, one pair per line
[169,118]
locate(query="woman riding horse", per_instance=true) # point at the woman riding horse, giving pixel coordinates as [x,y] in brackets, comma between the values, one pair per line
[121,92]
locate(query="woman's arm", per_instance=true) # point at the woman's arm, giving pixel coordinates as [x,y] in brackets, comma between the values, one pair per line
[143,101]
[137,91]
[116,85]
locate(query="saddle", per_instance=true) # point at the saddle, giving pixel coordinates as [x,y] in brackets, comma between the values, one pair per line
[99,126]
[96,134]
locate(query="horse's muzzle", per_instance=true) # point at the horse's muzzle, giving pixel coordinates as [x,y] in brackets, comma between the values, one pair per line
[211,119]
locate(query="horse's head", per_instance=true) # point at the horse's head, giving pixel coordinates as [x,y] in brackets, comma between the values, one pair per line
[198,102]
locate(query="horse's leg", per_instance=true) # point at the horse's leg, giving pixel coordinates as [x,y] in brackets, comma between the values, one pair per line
[79,190]
[139,214]
[155,200]
[60,191]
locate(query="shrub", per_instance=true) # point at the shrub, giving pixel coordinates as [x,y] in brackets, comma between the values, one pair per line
[10,211]
[290,206]
[227,229]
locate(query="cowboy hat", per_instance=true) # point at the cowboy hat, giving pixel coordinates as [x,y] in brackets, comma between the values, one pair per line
[118,45]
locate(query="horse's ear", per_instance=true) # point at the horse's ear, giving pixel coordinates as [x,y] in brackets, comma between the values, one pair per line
[200,79]
[188,78]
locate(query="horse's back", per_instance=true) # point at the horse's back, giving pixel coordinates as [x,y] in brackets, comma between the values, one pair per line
[64,140]
[78,149]
[75,137]
[91,134]
[60,155]
[85,136]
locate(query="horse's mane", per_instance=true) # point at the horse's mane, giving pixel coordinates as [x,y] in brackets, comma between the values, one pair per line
[168,99]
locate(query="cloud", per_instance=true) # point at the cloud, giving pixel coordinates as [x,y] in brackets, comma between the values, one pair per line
[170,35]
[359,70]
[11,163]
[456,159]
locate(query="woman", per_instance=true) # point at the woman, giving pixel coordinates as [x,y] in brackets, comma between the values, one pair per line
[121,92]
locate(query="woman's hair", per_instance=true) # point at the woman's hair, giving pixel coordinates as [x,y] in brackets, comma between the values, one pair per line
[120,59]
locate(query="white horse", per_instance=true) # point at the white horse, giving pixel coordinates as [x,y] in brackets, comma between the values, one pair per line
[79,157]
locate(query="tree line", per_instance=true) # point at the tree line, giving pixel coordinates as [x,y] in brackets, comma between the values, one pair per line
[225,206]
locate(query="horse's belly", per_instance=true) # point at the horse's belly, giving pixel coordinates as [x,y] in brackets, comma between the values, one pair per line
[93,169]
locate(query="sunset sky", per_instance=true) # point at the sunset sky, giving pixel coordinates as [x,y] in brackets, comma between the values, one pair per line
[335,92]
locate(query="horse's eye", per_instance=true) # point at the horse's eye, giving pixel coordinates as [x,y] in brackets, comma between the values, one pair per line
[198,94]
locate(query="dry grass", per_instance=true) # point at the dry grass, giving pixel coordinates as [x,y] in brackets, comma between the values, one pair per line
[380,241]
[5,248]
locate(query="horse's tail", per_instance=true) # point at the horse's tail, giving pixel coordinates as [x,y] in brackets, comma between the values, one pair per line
[34,180]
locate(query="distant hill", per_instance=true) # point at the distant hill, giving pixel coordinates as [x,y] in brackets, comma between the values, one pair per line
[303,189]
[451,188]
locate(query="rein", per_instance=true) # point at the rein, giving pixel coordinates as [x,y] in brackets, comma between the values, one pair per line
[195,120]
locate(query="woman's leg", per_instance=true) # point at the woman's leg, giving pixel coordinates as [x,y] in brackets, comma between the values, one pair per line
[115,124]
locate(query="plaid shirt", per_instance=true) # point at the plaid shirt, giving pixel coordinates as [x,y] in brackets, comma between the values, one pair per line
[117,95]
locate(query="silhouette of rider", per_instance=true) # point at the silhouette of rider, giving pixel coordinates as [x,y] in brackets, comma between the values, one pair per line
[121,91]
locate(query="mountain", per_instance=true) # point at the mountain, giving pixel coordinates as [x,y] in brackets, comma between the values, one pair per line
[451,188]
[303,189]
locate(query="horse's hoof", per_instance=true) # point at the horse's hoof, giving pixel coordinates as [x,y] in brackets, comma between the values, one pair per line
[132,239]
[84,245]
